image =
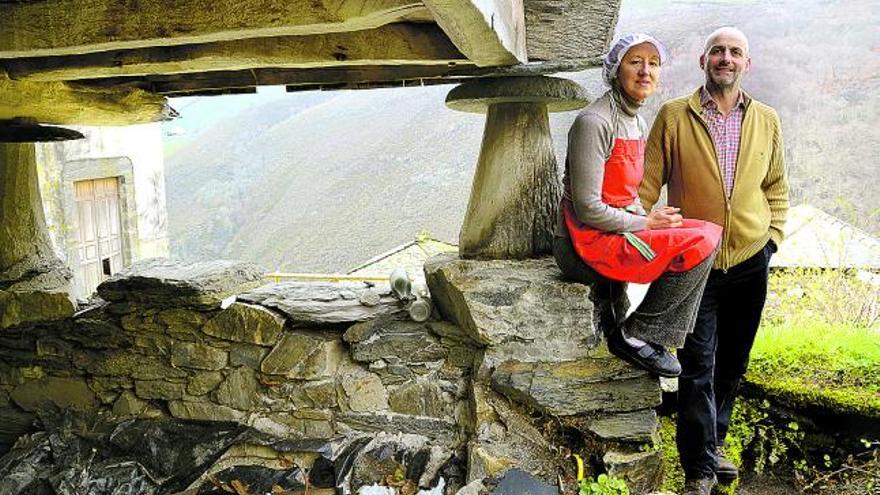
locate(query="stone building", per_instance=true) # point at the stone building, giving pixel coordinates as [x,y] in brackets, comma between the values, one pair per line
[308,385]
[104,199]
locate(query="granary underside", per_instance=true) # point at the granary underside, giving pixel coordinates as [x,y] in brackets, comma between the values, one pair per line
[106,62]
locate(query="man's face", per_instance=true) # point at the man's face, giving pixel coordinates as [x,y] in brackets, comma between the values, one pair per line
[725,61]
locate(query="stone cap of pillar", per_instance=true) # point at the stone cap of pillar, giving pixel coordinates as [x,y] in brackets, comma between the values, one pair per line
[560,95]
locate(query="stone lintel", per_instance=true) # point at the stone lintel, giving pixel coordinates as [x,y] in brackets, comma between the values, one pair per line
[577,387]
[171,283]
[314,304]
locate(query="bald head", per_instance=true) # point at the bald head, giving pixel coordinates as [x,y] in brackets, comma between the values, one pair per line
[726,32]
[725,60]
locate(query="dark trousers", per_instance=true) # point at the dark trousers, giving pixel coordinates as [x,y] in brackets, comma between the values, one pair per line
[715,358]
[665,316]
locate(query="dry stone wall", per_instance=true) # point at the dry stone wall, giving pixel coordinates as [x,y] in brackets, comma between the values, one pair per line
[509,373]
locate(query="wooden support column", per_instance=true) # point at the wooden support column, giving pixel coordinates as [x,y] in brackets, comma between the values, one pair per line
[514,200]
[34,283]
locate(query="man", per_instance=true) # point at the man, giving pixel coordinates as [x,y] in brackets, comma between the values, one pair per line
[720,154]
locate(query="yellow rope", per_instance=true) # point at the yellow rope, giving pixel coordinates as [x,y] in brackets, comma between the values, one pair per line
[580,463]
[277,276]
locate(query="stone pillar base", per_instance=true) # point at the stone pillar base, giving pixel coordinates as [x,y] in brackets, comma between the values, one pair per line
[35,292]
[513,205]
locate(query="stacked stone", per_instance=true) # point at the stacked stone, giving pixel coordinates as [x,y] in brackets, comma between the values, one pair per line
[545,358]
[290,360]
[516,372]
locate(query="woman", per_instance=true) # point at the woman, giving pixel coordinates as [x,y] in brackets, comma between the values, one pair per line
[603,236]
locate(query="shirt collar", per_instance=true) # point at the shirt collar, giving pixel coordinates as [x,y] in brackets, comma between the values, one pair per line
[706,100]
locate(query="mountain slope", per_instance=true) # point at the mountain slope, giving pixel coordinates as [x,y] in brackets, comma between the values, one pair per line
[322,181]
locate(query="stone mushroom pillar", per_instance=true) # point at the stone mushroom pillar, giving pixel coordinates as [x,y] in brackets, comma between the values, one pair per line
[515,196]
[34,283]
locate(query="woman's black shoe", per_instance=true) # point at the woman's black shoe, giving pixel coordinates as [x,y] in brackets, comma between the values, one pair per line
[654,358]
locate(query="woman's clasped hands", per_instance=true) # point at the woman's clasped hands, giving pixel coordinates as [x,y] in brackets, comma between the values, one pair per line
[666,217]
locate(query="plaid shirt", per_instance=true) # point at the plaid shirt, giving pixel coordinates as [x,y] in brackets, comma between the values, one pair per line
[725,132]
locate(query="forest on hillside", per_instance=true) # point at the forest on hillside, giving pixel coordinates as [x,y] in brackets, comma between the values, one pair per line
[323,181]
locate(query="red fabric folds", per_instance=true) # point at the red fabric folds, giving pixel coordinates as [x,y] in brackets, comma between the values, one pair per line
[610,254]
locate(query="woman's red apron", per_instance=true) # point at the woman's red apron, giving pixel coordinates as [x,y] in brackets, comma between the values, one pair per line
[609,253]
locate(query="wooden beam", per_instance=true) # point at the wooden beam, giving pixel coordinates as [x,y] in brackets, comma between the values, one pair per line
[346,77]
[393,44]
[70,27]
[569,29]
[60,103]
[488,32]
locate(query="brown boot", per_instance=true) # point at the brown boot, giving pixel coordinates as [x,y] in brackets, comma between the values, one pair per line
[726,471]
[699,486]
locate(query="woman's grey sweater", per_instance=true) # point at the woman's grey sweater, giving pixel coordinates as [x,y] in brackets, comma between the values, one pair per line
[590,141]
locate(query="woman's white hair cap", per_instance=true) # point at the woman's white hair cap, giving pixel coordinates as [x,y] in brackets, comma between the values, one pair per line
[614,56]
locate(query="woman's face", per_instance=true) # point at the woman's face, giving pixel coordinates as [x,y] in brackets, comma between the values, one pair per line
[639,71]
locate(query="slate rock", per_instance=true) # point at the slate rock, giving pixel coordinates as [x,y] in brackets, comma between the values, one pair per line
[505,438]
[129,404]
[321,394]
[183,318]
[98,331]
[438,429]
[304,355]
[169,283]
[204,411]
[54,393]
[202,382]
[322,303]
[518,482]
[643,471]
[198,356]
[421,399]
[240,389]
[159,389]
[130,364]
[520,308]
[300,423]
[382,337]
[364,392]
[41,295]
[247,323]
[577,387]
[636,426]
[247,355]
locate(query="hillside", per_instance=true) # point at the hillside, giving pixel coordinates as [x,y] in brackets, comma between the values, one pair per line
[322,181]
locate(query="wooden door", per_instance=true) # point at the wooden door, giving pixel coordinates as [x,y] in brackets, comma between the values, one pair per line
[99,232]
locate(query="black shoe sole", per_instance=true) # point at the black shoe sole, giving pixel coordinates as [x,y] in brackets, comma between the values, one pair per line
[727,477]
[618,350]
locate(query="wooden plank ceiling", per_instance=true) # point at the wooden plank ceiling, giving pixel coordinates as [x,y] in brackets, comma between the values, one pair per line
[114,61]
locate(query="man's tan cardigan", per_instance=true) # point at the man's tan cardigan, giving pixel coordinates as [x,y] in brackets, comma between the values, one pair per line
[680,153]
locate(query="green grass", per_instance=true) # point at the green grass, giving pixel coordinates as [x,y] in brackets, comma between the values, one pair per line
[831,365]
[820,341]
